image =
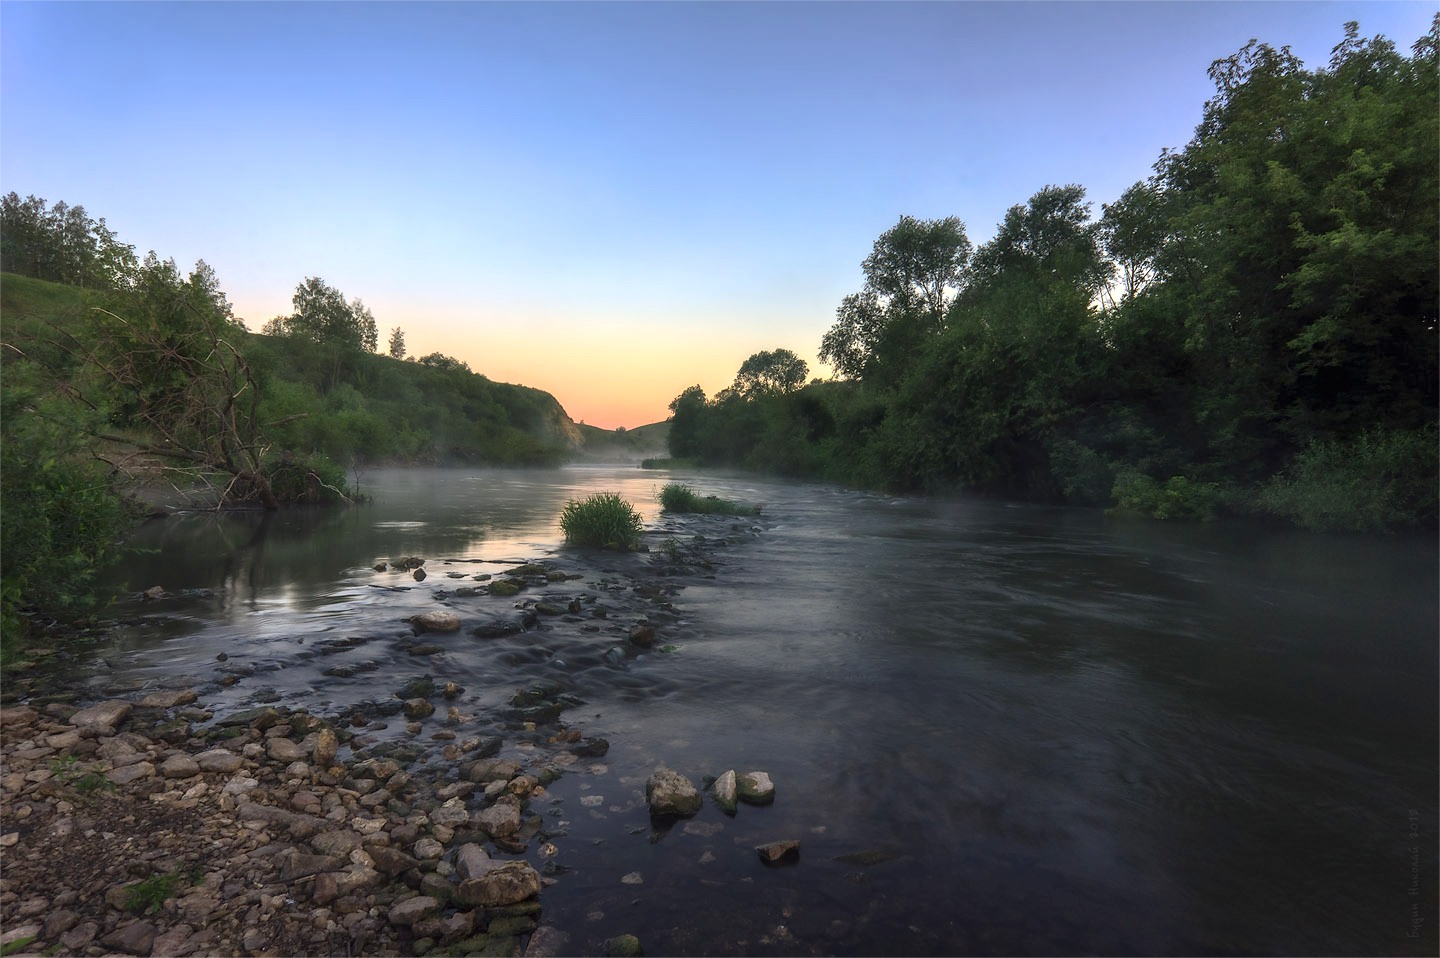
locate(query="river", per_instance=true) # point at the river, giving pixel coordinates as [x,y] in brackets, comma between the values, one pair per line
[994,729]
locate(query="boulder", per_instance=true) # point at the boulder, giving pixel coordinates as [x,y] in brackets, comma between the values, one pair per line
[418,708]
[472,861]
[440,620]
[623,946]
[168,700]
[755,788]
[505,884]
[499,820]
[723,791]
[179,766]
[102,715]
[412,910]
[326,746]
[219,760]
[671,795]
[775,853]
[281,749]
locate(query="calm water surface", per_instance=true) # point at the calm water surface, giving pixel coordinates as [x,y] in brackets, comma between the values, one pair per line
[994,729]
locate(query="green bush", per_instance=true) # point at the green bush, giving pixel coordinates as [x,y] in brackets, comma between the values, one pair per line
[1378,481]
[678,497]
[602,521]
[307,479]
[1177,498]
[62,516]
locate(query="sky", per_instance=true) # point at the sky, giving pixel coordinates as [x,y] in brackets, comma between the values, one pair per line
[607,201]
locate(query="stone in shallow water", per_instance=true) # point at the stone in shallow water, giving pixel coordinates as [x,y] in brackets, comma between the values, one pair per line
[671,795]
[505,884]
[774,853]
[436,621]
[755,788]
[724,791]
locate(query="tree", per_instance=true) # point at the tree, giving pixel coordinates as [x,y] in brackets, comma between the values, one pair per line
[687,423]
[777,371]
[364,322]
[911,277]
[158,375]
[397,343]
[441,361]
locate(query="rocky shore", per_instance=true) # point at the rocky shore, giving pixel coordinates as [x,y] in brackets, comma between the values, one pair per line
[151,824]
[124,831]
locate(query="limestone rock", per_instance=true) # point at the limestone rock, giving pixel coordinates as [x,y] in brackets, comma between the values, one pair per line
[773,853]
[499,820]
[219,760]
[437,621]
[472,861]
[168,700]
[179,766]
[135,938]
[326,746]
[724,791]
[283,750]
[755,788]
[411,910]
[505,884]
[671,795]
[103,715]
[130,773]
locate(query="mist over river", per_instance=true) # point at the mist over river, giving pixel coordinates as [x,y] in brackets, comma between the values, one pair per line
[994,729]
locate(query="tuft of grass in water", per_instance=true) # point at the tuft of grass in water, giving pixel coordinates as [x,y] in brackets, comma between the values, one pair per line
[678,497]
[601,521]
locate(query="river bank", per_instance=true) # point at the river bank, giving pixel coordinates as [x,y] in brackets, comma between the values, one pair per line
[175,823]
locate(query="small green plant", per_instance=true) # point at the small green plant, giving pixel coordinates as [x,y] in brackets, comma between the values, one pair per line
[92,782]
[147,896]
[678,497]
[65,769]
[602,521]
[17,945]
[87,782]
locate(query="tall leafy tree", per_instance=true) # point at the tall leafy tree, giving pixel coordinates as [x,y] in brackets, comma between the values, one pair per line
[397,343]
[911,277]
[771,372]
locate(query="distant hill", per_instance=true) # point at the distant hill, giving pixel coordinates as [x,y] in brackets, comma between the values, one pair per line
[622,445]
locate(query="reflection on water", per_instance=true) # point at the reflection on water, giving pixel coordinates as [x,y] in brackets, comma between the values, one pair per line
[994,729]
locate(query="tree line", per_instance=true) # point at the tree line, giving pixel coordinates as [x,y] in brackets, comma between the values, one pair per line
[1250,328]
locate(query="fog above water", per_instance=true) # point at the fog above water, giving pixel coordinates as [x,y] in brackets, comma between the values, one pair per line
[994,728]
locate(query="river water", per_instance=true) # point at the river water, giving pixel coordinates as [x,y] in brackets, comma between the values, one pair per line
[994,729]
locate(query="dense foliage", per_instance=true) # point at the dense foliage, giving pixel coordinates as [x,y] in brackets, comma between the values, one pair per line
[134,372]
[1252,327]
[601,521]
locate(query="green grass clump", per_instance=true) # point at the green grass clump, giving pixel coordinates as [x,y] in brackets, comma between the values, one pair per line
[602,521]
[148,895]
[678,497]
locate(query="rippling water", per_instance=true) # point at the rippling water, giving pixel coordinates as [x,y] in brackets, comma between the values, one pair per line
[994,729]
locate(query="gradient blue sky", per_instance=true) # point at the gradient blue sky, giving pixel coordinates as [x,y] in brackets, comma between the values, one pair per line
[609,201]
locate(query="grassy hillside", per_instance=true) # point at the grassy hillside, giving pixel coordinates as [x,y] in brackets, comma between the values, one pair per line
[377,409]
